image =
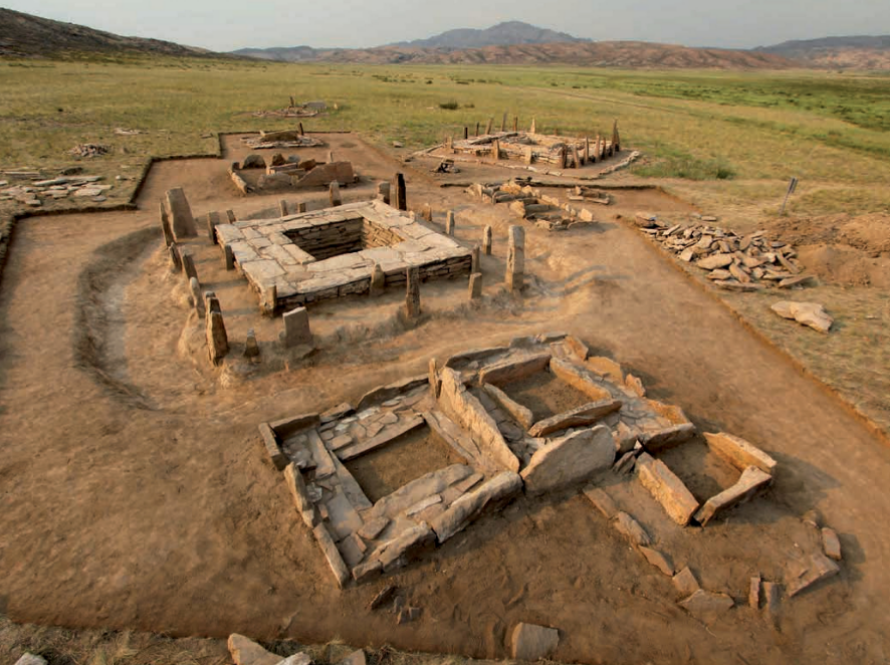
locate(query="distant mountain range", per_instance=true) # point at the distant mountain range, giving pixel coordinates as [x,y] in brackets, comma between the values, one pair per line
[513,42]
[503,34]
[857,52]
[25,35]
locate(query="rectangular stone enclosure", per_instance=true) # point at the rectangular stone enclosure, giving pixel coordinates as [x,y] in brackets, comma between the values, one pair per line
[299,259]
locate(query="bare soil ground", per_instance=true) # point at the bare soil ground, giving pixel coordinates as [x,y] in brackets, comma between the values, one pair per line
[137,494]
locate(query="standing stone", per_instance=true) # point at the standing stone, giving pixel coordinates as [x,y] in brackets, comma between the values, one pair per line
[251,348]
[616,139]
[496,149]
[449,223]
[532,129]
[230,216]
[269,300]
[449,143]
[217,340]
[529,155]
[561,159]
[183,223]
[165,226]
[197,298]
[486,239]
[296,328]
[477,129]
[474,266]
[600,151]
[302,132]
[230,257]
[188,266]
[586,157]
[336,199]
[435,384]
[475,286]
[427,213]
[378,280]
[516,258]
[330,157]
[383,192]
[466,132]
[301,207]
[488,129]
[412,298]
[504,122]
[282,208]
[175,258]
[397,195]
[211,302]
[576,160]
[212,223]
[515,123]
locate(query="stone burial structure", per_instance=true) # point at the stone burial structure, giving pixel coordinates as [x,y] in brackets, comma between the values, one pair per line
[473,435]
[529,203]
[299,259]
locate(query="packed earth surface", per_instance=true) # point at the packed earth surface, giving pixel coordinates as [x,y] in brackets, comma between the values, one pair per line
[138,493]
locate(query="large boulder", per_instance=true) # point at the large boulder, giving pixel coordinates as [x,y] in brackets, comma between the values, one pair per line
[808,314]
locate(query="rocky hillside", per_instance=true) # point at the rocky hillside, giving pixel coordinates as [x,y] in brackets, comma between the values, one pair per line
[859,52]
[26,36]
[639,55]
[502,34]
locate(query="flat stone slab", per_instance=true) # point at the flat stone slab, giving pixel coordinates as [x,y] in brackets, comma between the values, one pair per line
[667,488]
[631,529]
[739,453]
[513,368]
[808,314]
[707,606]
[580,416]
[530,643]
[569,460]
[812,569]
[752,481]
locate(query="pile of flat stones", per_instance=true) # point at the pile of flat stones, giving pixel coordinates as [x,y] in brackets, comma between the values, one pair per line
[531,204]
[89,150]
[733,262]
[63,187]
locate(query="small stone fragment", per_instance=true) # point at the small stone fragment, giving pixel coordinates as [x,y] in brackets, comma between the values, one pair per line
[602,501]
[531,643]
[247,652]
[658,560]
[631,529]
[30,659]
[685,582]
[707,606]
[831,544]
[251,348]
[754,592]
[809,571]
[356,658]
[771,598]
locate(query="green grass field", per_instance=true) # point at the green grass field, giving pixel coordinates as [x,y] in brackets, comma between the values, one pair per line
[697,126]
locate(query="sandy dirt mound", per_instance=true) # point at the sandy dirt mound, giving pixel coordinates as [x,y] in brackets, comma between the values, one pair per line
[842,249]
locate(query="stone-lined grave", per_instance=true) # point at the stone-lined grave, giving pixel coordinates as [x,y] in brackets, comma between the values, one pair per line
[299,259]
[529,203]
[474,410]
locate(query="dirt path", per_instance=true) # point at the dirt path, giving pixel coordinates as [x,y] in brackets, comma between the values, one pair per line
[170,518]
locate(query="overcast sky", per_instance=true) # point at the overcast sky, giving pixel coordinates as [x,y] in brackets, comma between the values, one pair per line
[226,25]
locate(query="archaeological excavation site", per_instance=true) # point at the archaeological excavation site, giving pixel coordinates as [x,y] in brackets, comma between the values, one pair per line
[481,400]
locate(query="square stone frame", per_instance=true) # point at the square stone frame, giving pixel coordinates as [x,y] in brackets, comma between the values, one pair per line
[346,244]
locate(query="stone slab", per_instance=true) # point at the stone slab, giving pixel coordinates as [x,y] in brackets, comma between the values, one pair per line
[465,509]
[569,460]
[383,437]
[331,554]
[667,488]
[530,643]
[248,653]
[739,453]
[514,368]
[751,482]
[580,416]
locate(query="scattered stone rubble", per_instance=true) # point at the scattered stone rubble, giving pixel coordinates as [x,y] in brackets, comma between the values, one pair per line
[89,150]
[808,314]
[41,189]
[529,203]
[733,262]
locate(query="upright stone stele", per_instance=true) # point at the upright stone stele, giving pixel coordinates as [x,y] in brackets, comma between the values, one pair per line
[576,160]
[182,221]
[212,224]
[616,138]
[188,266]
[165,227]
[586,156]
[412,297]
[475,286]
[378,280]
[516,259]
[217,340]
[197,297]
[336,199]
[397,195]
[383,192]
[449,223]
[529,155]
[230,257]
[488,129]
[330,157]
[561,160]
[496,149]
[296,328]
[175,258]
[230,216]
[251,348]
[301,206]
[486,239]
[282,207]
[474,266]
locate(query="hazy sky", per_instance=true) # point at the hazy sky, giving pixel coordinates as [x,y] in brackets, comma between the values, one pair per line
[224,26]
